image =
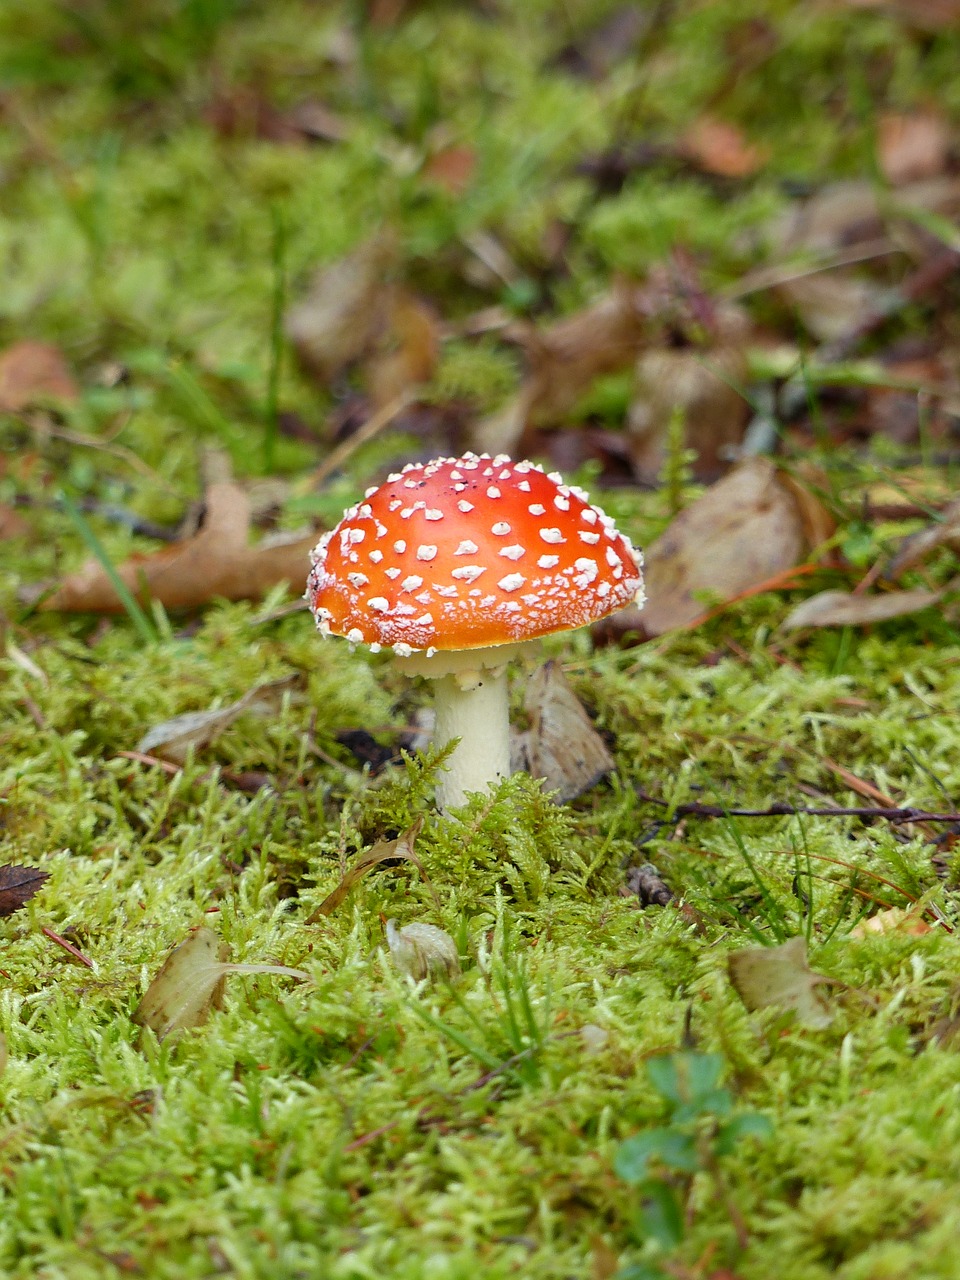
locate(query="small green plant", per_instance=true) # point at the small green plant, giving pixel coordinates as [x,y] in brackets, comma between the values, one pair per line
[661,1163]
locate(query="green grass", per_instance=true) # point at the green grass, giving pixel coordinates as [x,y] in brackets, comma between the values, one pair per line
[354,1125]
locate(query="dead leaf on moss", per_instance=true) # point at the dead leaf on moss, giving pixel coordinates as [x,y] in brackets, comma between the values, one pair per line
[744,531]
[564,360]
[781,977]
[173,739]
[18,885]
[719,147]
[412,350]
[946,532]
[702,386]
[34,373]
[913,146]
[893,920]
[843,609]
[383,851]
[191,982]
[346,309]
[215,562]
[832,304]
[561,746]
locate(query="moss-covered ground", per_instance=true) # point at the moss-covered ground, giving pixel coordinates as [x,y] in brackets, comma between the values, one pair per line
[356,1125]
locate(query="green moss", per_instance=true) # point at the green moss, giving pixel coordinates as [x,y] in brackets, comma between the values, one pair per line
[352,1126]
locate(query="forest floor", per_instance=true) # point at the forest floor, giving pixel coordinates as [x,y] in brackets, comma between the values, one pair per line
[621,239]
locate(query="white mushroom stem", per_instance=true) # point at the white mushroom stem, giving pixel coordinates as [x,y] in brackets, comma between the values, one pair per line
[472,703]
[478,713]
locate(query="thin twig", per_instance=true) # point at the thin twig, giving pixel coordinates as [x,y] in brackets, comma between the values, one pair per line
[695,809]
[67,946]
[370,429]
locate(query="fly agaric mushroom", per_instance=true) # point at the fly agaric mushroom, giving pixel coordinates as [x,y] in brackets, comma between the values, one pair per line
[455,565]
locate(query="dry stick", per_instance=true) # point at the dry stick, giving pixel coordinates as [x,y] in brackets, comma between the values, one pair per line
[369,431]
[895,815]
[67,946]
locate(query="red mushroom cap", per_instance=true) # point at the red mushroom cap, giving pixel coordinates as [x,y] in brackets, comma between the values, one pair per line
[465,553]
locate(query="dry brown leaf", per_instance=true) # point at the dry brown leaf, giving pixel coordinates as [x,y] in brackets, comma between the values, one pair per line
[893,920]
[912,147]
[842,609]
[923,15]
[742,532]
[414,350]
[382,851]
[191,982]
[698,384]
[452,167]
[17,886]
[567,357]
[832,304]
[561,745]
[173,739]
[780,976]
[12,523]
[854,211]
[918,546]
[346,310]
[34,373]
[721,148]
[216,562]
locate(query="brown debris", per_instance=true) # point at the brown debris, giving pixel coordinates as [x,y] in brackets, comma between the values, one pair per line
[33,373]
[215,562]
[843,609]
[744,531]
[912,147]
[561,746]
[721,148]
[18,885]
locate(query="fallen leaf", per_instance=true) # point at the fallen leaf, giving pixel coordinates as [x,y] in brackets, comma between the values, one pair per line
[172,739]
[215,562]
[912,147]
[702,386]
[565,359]
[18,885]
[423,950]
[855,211]
[382,851]
[922,15]
[34,373]
[945,532]
[842,609]
[744,531]
[191,982]
[561,746]
[780,976]
[893,920]
[832,304]
[452,167]
[12,523]
[414,347]
[346,310]
[721,148]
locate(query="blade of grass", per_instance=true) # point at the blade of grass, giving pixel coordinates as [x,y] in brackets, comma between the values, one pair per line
[277,308]
[141,622]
